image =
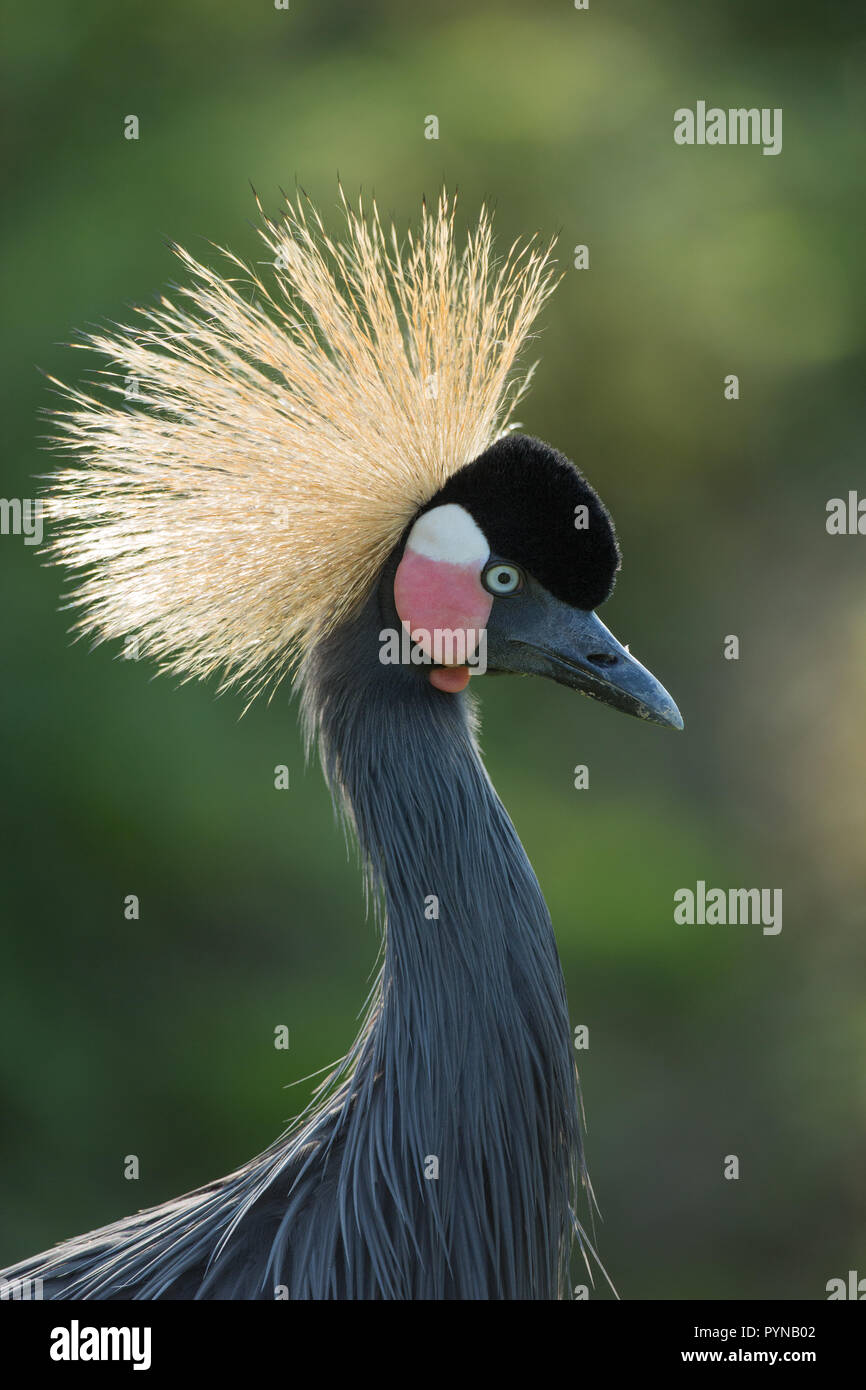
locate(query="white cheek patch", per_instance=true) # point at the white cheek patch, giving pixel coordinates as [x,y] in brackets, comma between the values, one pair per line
[448,533]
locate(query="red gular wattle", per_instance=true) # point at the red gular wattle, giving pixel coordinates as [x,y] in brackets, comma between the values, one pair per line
[451,679]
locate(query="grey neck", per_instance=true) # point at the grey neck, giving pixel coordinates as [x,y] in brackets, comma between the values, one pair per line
[466,1057]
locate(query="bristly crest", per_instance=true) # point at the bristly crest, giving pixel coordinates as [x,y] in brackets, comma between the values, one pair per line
[279,431]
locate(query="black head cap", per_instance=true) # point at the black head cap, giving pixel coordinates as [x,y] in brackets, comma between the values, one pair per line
[524,495]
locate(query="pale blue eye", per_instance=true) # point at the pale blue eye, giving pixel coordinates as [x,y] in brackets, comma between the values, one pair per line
[502,579]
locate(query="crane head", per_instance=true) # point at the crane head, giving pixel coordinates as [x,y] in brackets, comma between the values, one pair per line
[512,556]
[275,448]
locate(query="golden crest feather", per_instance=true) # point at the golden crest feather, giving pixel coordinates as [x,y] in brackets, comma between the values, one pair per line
[277,435]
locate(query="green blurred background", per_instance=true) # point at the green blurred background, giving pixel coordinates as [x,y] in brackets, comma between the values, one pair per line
[156,1037]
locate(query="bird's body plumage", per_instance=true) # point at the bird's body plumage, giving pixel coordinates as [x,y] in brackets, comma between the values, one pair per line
[465,1057]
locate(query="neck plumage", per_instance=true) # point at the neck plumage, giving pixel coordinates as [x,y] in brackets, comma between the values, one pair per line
[442,1157]
[462,1095]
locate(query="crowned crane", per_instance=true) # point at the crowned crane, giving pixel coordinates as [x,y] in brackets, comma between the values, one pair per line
[305,462]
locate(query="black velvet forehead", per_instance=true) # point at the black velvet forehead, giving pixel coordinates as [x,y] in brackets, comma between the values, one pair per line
[523,494]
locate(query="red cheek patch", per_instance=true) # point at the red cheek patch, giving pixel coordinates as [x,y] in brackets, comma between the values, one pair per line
[440,597]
